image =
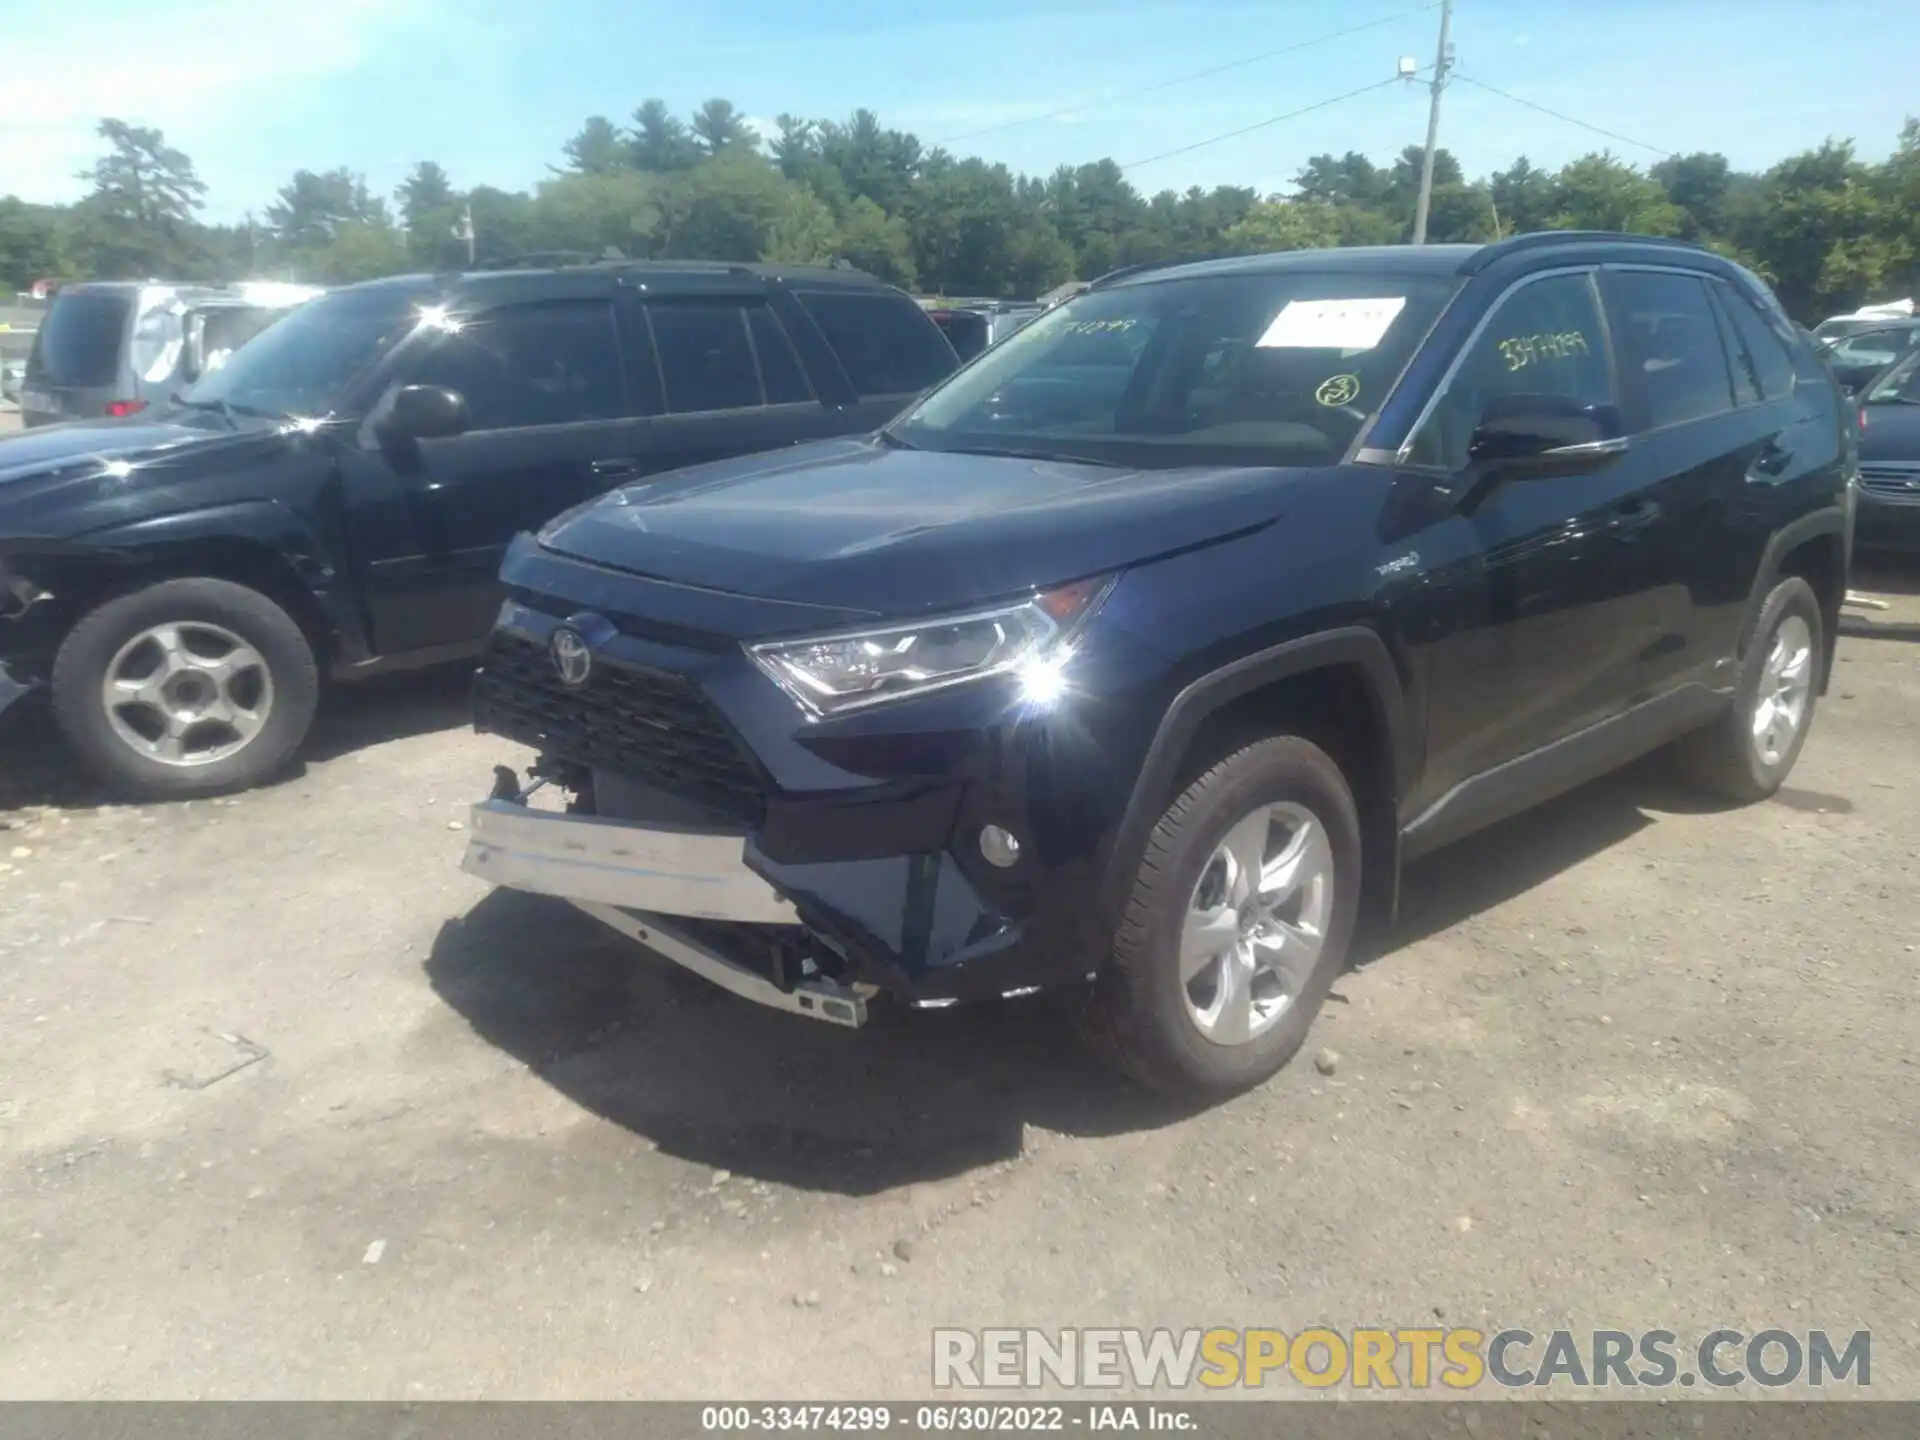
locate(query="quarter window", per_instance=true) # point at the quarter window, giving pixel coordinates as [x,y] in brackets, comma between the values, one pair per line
[1545,339]
[1761,356]
[554,363]
[1670,342]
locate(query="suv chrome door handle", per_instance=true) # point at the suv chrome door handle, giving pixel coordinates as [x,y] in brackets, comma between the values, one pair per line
[615,470]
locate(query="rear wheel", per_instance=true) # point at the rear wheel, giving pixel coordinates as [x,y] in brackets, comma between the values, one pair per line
[1240,920]
[185,688]
[1746,754]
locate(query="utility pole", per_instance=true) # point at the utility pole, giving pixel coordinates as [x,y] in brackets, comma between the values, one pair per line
[465,231]
[1442,71]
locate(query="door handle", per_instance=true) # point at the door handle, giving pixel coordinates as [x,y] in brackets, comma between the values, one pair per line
[1771,462]
[615,470]
[1634,516]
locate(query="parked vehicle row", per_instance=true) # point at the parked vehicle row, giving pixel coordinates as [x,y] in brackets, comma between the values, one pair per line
[1132,662]
[335,500]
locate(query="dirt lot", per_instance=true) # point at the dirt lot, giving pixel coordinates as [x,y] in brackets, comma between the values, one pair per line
[291,1107]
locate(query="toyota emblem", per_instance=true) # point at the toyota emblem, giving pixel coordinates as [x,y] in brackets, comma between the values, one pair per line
[571,656]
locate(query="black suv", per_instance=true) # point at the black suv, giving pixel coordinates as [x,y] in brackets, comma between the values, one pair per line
[1137,657]
[337,497]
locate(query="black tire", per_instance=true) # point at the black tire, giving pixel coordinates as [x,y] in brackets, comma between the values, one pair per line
[80,671]
[1136,1015]
[1723,758]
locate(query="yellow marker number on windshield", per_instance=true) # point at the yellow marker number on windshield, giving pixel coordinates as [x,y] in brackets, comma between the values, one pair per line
[1520,351]
[1338,390]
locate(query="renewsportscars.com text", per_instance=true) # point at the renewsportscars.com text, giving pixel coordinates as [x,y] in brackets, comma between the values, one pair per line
[1411,1358]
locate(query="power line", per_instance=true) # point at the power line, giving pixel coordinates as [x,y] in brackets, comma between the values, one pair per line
[1262,124]
[1184,79]
[1532,105]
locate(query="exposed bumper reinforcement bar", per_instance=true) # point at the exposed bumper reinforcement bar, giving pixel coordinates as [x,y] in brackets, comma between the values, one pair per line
[633,877]
[816,999]
[663,872]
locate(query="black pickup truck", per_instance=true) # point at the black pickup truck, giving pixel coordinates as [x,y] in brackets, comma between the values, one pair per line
[1133,661]
[335,500]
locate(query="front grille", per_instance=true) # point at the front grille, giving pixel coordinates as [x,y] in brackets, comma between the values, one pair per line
[646,725]
[1899,479]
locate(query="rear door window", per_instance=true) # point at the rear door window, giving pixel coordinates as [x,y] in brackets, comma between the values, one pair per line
[706,359]
[80,339]
[885,343]
[780,373]
[1670,345]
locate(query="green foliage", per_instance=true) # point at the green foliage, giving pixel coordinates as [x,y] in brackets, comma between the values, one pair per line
[1829,230]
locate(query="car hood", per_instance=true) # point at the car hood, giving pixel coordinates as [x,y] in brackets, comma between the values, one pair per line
[64,480]
[1892,433]
[35,452]
[863,525]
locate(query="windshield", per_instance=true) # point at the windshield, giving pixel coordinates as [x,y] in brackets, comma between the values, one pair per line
[1899,385]
[302,363]
[1280,368]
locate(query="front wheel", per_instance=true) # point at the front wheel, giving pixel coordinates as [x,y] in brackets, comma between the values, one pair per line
[1239,922]
[1746,754]
[185,688]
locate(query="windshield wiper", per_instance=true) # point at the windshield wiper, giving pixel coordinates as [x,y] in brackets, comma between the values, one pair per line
[1056,457]
[893,441]
[217,407]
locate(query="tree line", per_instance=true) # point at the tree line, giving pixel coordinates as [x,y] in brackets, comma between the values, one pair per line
[1829,230]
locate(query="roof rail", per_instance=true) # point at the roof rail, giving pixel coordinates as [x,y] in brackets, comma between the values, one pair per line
[1542,239]
[1146,265]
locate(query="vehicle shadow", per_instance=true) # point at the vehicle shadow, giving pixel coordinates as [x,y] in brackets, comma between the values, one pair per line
[36,770]
[913,1097]
[731,1085]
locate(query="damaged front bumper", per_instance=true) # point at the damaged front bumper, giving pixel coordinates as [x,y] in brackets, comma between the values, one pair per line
[633,878]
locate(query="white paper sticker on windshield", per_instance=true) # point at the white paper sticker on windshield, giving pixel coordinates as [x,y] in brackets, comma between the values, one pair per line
[1332,324]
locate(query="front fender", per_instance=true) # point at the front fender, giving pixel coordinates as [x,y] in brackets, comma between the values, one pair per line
[244,539]
[1353,646]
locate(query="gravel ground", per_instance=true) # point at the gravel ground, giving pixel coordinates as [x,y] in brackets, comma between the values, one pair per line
[290,1107]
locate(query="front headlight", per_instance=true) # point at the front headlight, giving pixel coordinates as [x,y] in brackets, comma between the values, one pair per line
[835,673]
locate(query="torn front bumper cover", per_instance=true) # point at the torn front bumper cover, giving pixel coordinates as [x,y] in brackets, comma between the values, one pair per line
[637,878]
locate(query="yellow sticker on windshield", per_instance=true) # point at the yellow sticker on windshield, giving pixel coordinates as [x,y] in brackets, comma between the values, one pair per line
[1338,390]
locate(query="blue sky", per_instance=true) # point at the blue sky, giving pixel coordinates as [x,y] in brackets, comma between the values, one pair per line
[254,89]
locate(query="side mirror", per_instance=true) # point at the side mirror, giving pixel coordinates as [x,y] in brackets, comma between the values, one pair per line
[425,412]
[193,364]
[1546,434]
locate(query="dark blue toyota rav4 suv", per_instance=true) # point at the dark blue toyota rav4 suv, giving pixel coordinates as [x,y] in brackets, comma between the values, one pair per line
[1135,658]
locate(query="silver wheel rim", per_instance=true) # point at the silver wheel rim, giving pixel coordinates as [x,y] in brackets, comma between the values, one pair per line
[1786,685]
[187,693]
[1256,923]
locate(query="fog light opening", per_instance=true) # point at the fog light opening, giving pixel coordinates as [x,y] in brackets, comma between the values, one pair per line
[999,846]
